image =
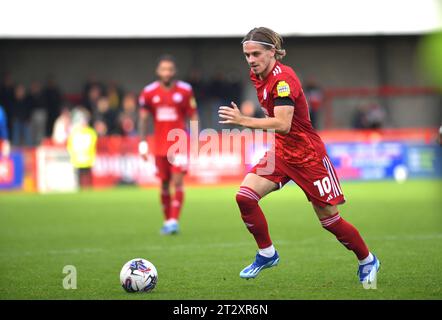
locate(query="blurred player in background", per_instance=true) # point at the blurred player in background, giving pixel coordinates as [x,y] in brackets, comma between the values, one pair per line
[299,155]
[170,102]
[5,146]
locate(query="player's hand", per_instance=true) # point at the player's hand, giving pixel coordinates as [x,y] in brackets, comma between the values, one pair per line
[230,114]
[143,149]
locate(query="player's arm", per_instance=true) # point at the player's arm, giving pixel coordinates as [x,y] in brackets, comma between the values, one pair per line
[281,122]
[142,128]
[192,112]
[194,117]
[142,124]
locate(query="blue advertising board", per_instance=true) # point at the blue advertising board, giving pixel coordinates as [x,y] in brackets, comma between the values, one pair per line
[385,160]
[12,171]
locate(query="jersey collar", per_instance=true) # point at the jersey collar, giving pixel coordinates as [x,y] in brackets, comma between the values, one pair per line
[168,88]
[277,63]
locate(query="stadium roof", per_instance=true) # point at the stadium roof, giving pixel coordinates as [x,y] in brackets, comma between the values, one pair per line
[227,18]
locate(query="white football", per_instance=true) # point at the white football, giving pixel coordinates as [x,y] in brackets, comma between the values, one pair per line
[138,275]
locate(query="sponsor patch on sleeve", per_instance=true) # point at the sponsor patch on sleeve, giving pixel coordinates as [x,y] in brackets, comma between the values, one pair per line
[283,89]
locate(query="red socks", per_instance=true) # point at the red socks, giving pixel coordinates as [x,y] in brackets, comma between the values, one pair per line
[172,208]
[177,203]
[253,216]
[255,221]
[165,202]
[347,234]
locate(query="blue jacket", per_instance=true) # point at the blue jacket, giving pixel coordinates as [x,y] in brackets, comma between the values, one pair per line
[3,125]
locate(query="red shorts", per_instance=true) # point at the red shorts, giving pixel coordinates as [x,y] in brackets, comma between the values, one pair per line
[318,181]
[165,169]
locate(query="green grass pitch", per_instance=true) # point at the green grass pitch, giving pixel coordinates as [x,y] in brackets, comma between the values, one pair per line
[98,231]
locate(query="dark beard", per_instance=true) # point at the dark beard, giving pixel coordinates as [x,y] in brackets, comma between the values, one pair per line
[167,84]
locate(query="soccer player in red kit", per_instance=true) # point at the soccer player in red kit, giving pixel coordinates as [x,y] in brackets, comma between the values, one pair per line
[298,154]
[170,102]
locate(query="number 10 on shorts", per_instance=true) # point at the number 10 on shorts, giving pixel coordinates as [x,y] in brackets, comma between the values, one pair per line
[324,186]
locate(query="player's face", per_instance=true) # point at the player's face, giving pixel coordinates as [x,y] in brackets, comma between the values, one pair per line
[258,57]
[166,71]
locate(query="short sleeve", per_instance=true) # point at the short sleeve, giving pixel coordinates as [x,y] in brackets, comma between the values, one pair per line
[143,100]
[285,89]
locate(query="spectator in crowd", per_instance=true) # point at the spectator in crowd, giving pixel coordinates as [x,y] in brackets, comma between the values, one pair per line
[114,94]
[217,86]
[7,89]
[376,116]
[21,117]
[127,119]
[315,97]
[104,118]
[53,100]
[221,91]
[39,113]
[225,88]
[371,116]
[199,87]
[93,95]
[216,91]
[5,147]
[359,120]
[233,87]
[91,81]
[62,127]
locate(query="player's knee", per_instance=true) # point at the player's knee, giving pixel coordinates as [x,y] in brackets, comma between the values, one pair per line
[178,185]
[325,212]
[177,181]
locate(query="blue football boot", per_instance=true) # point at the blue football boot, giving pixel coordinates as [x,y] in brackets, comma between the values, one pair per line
[368,273]
[169,228]
[259,264]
